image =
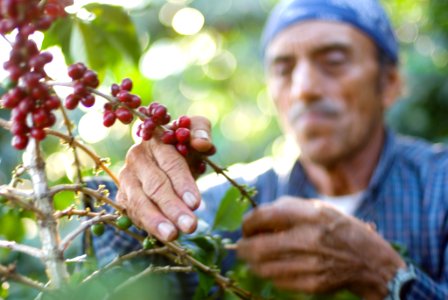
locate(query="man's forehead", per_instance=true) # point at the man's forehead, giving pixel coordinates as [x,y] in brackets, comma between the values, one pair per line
[314,36]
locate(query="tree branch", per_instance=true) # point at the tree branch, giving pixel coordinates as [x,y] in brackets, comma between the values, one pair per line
[95,194]
[48,227]
[10,273]
[120,259]
[21,248]
[21,198]
[151,270]
[83,226]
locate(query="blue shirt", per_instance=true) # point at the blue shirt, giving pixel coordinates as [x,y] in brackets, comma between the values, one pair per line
[407,200]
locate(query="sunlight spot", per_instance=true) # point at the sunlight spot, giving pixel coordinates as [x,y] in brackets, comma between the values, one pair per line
[188,21]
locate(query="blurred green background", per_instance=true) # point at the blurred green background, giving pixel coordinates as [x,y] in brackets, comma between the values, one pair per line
[202,58]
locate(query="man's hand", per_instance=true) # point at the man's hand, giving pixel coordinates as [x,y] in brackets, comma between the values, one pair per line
[308,246]
[157,187]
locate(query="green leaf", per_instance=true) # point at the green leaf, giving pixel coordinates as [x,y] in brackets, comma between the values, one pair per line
[206,283]
[60,34]
[230,212]
[100,42]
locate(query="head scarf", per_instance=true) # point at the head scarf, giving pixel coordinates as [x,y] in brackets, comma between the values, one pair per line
[365,15]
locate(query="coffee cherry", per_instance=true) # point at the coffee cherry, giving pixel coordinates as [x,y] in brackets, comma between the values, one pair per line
[115,89]
[123,222]
[182,149]
[88,100]
[90,79]
[134,102]
[76,71]
[124,115]
[169,137]
[97,229]
[19,128]
[109,118]
[20,142]
[183,135]
[124,96]
[126,84]
[38,133]
[72,101]
[149,124]
[184,122]
[52,103]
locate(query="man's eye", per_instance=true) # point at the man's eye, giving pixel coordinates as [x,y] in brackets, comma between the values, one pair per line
[335,59]
[281,69]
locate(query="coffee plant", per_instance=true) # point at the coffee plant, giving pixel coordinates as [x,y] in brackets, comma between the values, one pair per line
[30,96]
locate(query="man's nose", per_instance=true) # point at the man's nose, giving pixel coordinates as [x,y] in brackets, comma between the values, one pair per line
[306,85]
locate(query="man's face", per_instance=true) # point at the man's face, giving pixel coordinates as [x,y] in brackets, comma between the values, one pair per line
[325,80]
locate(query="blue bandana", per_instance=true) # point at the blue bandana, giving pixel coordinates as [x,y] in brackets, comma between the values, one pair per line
[366,15]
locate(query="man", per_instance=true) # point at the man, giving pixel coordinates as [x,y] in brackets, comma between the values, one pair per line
[356,188]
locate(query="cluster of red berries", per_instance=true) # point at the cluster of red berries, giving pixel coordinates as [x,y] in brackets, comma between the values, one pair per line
[83,80]
[155,115]
[30,15]
[122,93]
[30,99]
[30,96]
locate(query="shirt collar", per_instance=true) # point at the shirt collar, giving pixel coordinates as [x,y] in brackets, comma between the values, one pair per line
[298,183]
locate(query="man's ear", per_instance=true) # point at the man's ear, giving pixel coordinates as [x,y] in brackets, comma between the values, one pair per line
[391,85]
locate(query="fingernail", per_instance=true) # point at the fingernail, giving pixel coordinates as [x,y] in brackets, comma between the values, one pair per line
[201,134]
[166,230]
[185,222]
[189,199]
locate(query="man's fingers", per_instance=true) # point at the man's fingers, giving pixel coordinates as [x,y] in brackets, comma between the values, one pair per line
[151,219]
[270,246]
[200,134]
[280,215]
[287,267]
[178,173]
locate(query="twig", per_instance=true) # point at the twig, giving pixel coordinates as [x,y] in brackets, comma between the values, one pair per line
[120,259]
[221,171]
[83,226]
[221,280]
[77,259]
[151,270]
[95,194]
[74,143]
[72,211]
[21,248]
[9,272]
[8,41]
[20,198]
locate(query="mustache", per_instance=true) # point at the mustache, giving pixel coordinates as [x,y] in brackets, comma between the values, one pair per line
[325,107]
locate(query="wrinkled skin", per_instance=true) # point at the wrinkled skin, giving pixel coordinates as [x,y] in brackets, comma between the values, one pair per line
[309,247]
[157,187]
[330,93]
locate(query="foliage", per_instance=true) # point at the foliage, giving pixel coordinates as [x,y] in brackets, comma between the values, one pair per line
[218,73]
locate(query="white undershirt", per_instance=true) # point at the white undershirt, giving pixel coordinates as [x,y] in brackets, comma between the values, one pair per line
[346,204]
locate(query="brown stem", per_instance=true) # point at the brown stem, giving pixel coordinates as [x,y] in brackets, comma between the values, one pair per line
[10,273]
[82,227]
[120,259]
[221,171]
[95,194]
[23,200]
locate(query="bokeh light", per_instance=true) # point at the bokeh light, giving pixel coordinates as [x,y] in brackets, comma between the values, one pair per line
[91,127]
[163,59]
[188,21]
[221,67]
